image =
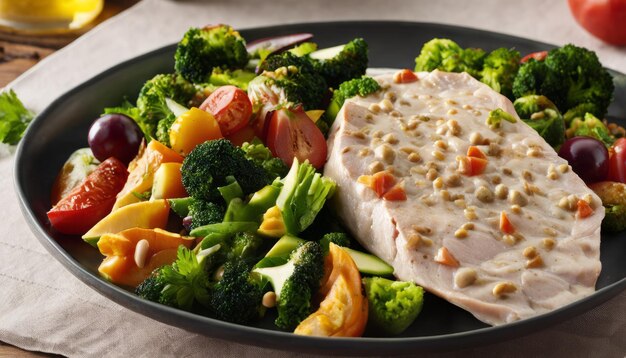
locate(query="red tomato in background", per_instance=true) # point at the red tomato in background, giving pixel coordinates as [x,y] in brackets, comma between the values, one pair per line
[617,161]
[230,106]
[92,200]
[291,133]
[605,19]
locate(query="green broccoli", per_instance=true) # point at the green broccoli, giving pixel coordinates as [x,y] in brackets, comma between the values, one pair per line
[287,80]
[341,63]
[447,55]
[356,87]
[262,156]
[337,238]
[494,120]
[579,112]
[152,287]
[207,167]
[569,76]
[543,116]
[239,78]
[152,103]
[245,245]
[393,305]
[204,212]
[591,127]
[304,49]
[302,196]
[295,283]
[614,218]
[499,70]
[237,295]
[201,50]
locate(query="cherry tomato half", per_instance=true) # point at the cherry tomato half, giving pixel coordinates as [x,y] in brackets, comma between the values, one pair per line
[291,133]
[230,106]
[92,200]
[617,161]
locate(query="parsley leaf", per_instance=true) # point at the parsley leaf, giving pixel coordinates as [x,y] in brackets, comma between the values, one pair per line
[14,118]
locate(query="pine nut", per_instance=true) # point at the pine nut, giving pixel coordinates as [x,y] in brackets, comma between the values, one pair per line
[269,299]
[503,288]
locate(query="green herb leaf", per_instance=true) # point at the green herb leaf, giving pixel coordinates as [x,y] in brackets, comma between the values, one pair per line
[14,118]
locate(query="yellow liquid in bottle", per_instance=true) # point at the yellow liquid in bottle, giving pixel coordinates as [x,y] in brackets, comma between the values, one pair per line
[42,15]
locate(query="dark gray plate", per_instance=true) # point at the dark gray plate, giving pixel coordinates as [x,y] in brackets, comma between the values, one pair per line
[63,126]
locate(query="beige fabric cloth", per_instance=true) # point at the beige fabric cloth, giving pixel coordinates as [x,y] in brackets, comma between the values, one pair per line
[43,307]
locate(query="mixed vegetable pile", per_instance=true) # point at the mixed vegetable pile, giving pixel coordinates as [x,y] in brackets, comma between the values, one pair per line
[205,193]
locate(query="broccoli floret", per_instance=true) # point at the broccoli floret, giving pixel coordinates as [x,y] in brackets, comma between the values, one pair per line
[239,78]
[543,116]
[350,62]
[287,80]
[204,213]
[262,156]
[569,76]
[237,296]
[393,305]
[591,127]
[201,50]
[499,70]
[494,120]
[152,102]
[245,245]
[356,87]
[302,196]
[337,238]
[579,112]
[614,218]
[304,49]
[152,287]
[163,129]
[295,283]
[207,167]
[447,55]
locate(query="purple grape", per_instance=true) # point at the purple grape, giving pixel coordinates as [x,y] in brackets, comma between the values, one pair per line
[588,157]
[115,135]
[187,221]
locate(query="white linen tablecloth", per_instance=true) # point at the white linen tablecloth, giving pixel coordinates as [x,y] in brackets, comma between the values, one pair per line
[44,308]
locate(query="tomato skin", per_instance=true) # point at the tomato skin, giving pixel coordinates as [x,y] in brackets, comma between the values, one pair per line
[92,200]
[230,106]
[539,56]
[617,161]
[291,133]
[604,19]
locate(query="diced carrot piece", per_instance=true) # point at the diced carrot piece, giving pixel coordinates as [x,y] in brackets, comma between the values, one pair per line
[474,151]
[444,257]
[505,224]
[476,165]
[396,193]
[382,182]
[584,209]
[405,76]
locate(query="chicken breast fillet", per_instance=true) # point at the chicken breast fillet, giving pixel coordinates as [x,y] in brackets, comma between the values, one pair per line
[505,243]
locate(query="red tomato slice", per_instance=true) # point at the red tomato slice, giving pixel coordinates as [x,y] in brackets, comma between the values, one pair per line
[92,200]
[617,161]
[230,106]
[245,134]
[291,133]
[539,56]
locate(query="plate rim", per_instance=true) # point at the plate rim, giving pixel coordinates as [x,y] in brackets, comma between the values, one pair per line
[229,331]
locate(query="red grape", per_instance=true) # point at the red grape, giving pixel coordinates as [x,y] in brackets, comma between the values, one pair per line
[588,157]
[115,135]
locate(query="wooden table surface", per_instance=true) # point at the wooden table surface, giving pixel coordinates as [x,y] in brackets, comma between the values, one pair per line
[18,53]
